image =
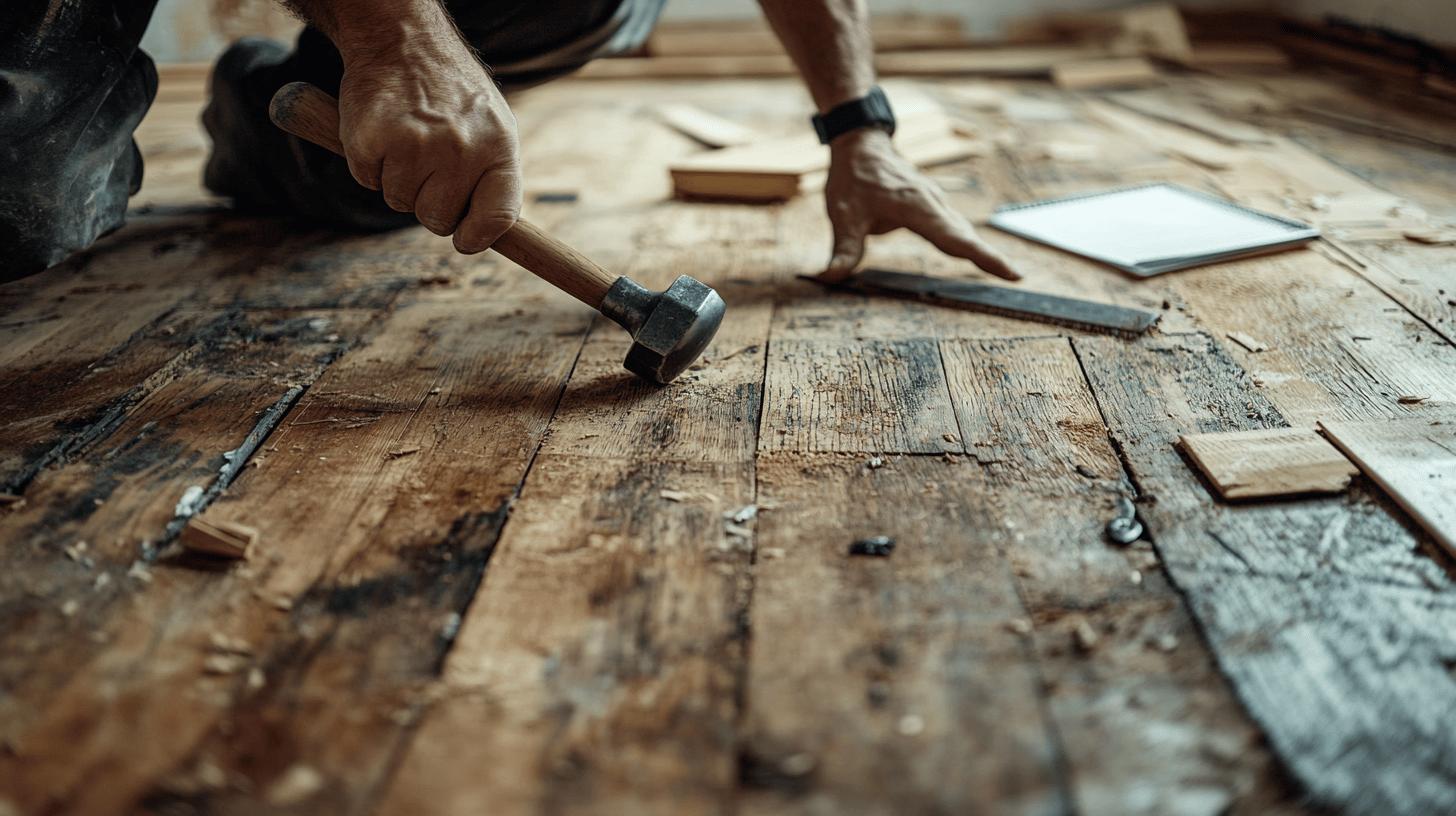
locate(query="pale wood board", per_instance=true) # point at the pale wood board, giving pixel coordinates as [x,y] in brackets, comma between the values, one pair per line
[1272,462]
[1121,72]
[1413,460]
[708,128]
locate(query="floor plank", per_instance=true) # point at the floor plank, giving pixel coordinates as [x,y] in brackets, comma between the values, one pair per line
[80,553]
[599,670]
[1299,600]
[871,687]
[1143,699]
[520,593]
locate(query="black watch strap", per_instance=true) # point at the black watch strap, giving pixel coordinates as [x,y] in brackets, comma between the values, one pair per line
[870,110]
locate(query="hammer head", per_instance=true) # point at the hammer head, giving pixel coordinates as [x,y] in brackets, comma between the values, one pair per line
[669,329]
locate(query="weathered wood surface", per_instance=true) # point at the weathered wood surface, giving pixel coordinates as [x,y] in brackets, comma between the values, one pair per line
[1269,462]
[1414,461]
[1330,615]
[599,669]
[518,592]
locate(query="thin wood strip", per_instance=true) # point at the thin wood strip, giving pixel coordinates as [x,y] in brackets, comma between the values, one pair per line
[1414,461]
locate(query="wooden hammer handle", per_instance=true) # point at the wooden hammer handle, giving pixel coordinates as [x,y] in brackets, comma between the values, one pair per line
[311,114]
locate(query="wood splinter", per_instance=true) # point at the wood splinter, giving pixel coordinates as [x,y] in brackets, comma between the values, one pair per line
[221,539]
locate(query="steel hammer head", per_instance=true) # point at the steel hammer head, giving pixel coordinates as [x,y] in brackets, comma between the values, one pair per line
[669,328]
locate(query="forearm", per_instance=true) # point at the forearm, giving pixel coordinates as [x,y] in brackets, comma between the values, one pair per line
[374,28]
[829,41]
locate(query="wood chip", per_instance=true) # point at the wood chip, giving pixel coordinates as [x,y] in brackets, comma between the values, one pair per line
[224,539]
[1084,636]
[1271,462]
[1247,342]
[1435,237]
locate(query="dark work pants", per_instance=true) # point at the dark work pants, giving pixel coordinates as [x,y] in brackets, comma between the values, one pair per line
[74,85]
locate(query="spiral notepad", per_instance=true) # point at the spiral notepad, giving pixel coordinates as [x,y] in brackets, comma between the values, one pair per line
[1152,228]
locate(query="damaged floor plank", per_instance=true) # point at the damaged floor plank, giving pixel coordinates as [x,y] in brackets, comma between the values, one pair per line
[82,548]
[599,668]
[1299,600]
[1131,691]
[915,717]
[420,630]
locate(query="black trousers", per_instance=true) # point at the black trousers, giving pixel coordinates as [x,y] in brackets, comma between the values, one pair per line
[74,86]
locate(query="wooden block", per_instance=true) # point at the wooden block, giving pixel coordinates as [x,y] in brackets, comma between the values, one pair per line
[1413,460]
[710,129]
[742,37]
[799,171]
[225,539]
[1155,28]
[1005,62]
[779,169]
[1264,463]
[1222,56]
[1107,73]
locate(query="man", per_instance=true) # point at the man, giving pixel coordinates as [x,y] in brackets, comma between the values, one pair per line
[425,125]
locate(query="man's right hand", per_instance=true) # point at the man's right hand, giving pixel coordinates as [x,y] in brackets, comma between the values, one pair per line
[423,122]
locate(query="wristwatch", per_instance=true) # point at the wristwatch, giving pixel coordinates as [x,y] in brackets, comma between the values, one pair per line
[870,110]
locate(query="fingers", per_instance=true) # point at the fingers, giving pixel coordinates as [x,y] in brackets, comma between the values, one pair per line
[400,181]
[365,168]
[443,200]
[494,207]
[963,243]
[849,247]
[952,234]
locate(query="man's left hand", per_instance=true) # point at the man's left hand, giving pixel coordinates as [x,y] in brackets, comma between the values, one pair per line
[872,190]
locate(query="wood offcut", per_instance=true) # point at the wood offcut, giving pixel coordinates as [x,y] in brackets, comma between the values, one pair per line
[1271,462]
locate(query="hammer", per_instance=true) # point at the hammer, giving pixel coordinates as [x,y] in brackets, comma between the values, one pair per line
[669,329]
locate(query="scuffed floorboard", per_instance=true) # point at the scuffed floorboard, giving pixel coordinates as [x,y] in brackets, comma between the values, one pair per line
[497,574]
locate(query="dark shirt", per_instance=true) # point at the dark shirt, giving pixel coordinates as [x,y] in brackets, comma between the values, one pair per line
[526,42]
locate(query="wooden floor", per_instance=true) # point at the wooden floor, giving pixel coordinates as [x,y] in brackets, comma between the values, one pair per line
[495,573]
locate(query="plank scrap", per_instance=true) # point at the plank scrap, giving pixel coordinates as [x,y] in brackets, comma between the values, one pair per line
[1122,72]
[224,539]
[1248,342]
[779,169]
[708,128]
[1269,462]
[1413,460]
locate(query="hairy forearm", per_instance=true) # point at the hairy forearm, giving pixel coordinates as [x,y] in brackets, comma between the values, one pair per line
[829,41]
[361,28]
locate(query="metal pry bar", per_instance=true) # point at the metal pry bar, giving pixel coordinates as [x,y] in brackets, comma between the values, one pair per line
[1003,300]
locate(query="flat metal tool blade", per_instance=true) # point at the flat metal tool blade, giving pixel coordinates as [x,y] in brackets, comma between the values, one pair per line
[1005,300]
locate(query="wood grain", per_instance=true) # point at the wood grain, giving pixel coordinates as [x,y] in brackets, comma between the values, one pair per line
[877,396]
[871,686]
[1272,462]
[1413,460]
[1145,701]
[1295,598]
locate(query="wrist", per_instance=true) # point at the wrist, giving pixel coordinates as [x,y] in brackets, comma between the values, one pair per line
[373,31]
[859,140]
